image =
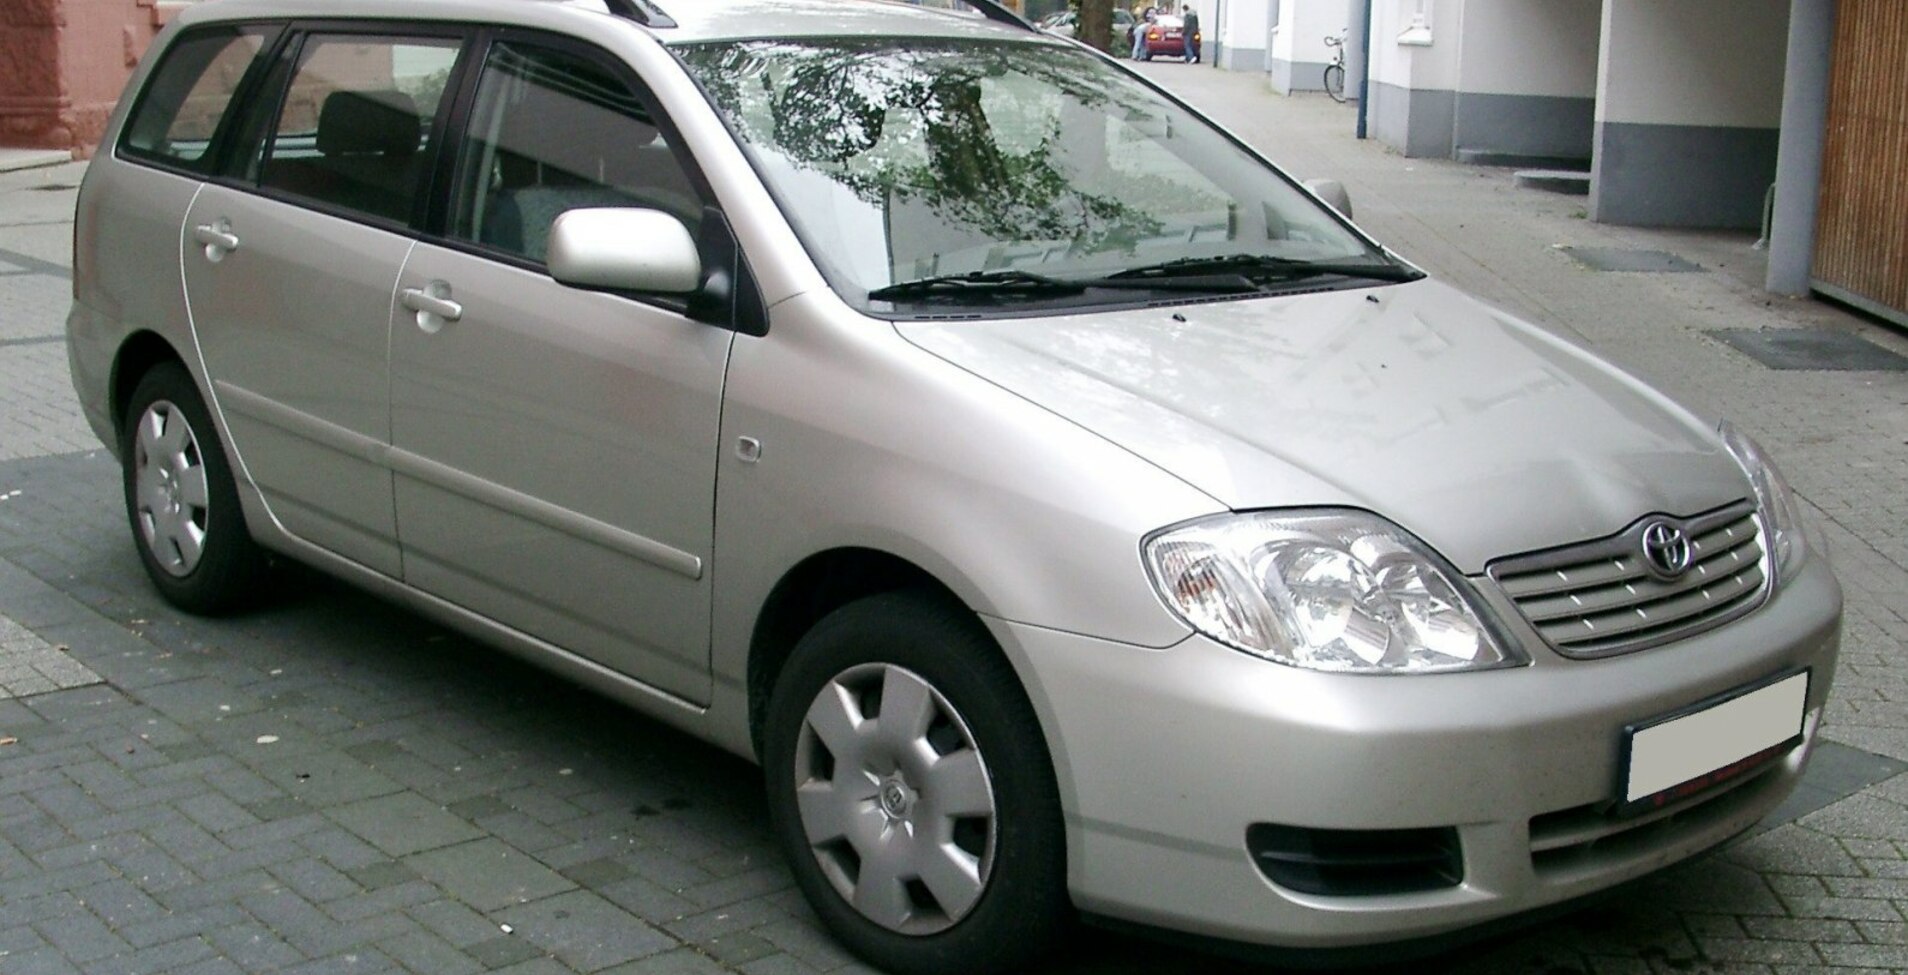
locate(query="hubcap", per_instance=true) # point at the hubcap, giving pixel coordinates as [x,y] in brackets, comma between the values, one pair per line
[169,488]
[895,801]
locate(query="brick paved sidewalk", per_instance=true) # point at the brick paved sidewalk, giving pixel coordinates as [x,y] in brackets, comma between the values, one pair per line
[329,785]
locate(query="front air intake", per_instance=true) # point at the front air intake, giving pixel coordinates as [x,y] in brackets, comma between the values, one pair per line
[1356,862]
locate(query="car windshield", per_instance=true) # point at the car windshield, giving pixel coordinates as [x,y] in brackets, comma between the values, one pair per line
[908,159]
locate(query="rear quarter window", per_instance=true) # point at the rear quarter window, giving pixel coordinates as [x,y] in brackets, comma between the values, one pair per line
[190,95]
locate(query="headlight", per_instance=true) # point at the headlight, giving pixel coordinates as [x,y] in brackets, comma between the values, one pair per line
[1775,501]
[1323,590]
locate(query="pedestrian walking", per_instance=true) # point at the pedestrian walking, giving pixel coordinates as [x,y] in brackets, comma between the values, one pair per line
[1190,33]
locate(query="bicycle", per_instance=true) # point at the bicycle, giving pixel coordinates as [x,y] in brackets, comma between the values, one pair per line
[1335,71]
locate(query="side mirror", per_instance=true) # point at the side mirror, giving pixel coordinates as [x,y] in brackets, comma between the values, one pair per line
[1333,193]
[624,249]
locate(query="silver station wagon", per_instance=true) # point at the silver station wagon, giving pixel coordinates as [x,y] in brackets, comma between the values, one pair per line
[1072,513]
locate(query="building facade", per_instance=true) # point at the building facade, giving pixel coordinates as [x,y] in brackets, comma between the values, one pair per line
[1789,116]
[63,63]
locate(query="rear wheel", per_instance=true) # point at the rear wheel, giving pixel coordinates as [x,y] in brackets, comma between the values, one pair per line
[1335,82]
[180,497]
[911,790]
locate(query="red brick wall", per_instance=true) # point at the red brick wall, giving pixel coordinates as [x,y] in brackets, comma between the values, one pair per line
[63,63]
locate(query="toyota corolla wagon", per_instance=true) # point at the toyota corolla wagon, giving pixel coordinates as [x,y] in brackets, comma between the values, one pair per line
[1072,513]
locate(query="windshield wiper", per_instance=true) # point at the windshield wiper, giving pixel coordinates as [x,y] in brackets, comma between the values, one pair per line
[978,283]
[1251,265]
[1013,281]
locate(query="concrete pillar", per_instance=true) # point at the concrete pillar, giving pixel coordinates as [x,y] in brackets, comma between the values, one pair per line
[1527,82]
[1242,30]
[1689,100]
[1805,98]
[1298,54]
[1414,72]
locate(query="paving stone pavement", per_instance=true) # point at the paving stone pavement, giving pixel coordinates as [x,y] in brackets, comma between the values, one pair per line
[329,785]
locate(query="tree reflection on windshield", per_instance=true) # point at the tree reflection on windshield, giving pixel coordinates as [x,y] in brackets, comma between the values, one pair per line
[831,108]
[902,159]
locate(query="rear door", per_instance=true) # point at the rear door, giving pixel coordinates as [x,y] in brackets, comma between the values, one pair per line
[290,266]
[127,230]
[555,449]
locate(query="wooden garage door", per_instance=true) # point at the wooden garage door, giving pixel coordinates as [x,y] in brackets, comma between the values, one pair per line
[1861,239]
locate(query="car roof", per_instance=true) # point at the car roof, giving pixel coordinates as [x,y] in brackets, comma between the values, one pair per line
[698,20]
[694,20]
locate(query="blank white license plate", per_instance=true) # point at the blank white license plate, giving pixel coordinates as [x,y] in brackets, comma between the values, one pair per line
[1687,753]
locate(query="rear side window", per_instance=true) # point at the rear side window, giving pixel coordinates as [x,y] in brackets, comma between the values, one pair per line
[190,95]
[355,124]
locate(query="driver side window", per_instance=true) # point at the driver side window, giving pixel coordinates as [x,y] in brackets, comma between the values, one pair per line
[553,131]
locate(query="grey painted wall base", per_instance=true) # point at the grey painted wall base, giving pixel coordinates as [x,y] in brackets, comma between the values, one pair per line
[1682,175]
[1531,126]
[1418,122]
[1291,76]
[1242,59]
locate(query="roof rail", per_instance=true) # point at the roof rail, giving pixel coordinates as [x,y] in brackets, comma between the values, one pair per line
[640,11]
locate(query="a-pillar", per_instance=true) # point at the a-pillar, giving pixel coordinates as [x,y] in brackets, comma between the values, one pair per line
[1689,104]
[1527,81]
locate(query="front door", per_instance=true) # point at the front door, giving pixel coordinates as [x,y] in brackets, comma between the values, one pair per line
[555,449]
[289,274]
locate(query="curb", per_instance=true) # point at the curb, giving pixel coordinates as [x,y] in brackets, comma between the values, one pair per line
[13,160]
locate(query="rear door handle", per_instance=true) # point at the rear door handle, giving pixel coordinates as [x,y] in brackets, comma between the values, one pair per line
[219,240]
[433,310]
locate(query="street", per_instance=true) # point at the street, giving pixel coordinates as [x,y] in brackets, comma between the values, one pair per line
[328,785]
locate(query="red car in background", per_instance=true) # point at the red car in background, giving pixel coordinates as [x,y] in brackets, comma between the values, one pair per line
[1166,36]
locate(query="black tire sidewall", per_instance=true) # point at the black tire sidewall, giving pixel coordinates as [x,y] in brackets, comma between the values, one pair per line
[230,564]
[1025,906]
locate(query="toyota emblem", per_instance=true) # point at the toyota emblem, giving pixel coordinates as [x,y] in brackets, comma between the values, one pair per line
[1666,549]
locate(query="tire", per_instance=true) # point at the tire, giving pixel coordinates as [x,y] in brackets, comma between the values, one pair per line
[968,770]
[180,498]
[1335,82]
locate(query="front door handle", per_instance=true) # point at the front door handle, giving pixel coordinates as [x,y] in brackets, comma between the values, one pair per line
[219,240]
[433,305]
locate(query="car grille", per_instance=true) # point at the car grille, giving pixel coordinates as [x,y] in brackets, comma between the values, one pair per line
[1599,598]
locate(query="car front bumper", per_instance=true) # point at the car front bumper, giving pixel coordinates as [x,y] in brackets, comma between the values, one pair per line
[1166,757]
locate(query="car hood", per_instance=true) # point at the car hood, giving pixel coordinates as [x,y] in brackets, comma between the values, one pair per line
[1483,435]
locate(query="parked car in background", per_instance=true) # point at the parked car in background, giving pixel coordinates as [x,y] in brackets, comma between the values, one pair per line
[1165,37]
[1105,524]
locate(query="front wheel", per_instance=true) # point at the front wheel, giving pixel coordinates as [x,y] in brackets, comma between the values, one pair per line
[1335,82]
[911,791]
[181,499]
